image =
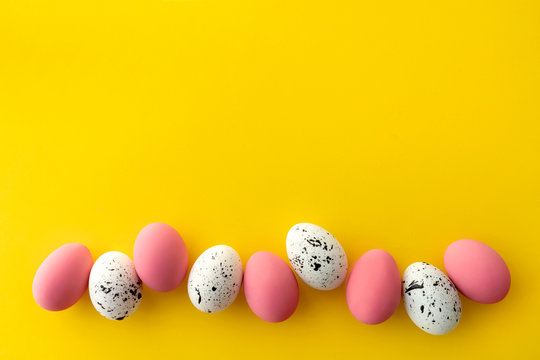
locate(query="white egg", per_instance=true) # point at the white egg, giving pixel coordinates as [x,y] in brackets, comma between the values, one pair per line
[114,287]
[316,256]
[215,279]
[431,299]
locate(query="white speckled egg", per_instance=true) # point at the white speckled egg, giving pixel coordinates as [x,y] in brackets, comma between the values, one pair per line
[431,299]
[215,279]
[316,256]
[115,289]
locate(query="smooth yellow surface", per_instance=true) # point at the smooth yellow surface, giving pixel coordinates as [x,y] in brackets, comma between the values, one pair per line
[397,125]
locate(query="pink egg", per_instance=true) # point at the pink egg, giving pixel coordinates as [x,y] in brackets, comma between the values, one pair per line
[160,257]
[62,278]
[374,287]
[477,270]
[270,287]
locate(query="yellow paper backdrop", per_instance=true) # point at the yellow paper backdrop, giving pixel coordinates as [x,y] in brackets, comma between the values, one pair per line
[395,124]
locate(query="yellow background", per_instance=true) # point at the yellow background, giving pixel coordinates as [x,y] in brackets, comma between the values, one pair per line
[397,125]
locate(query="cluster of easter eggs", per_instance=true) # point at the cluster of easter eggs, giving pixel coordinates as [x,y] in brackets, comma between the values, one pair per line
[374,287]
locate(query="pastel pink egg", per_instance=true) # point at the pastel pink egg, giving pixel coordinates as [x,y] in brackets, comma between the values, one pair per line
[374,287]
[62,278]
[160,257]
[477,270]
[270,287]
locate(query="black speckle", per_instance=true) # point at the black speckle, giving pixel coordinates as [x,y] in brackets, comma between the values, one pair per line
[422,309]
[316,266]
[198,293]
[214,288]
[120,318]
[314,242]
[414,285]
[139,295]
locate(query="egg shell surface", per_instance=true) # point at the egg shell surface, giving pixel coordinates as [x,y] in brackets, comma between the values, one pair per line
[215,279]
[160,257]
[62,277]
[114,287]
[374,287]
[270,287]
[431,299]
[477,270]
[316,256]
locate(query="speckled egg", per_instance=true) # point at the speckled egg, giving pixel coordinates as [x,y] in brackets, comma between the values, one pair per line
[115,289]
[431,299]
[215,279]
[316,256]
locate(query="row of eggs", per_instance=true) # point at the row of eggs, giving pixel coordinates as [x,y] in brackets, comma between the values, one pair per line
[374,287]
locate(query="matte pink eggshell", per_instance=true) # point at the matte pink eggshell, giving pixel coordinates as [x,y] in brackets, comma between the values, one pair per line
[270,287]
[477,270]
[62,278]
[160,257]
[374,287]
